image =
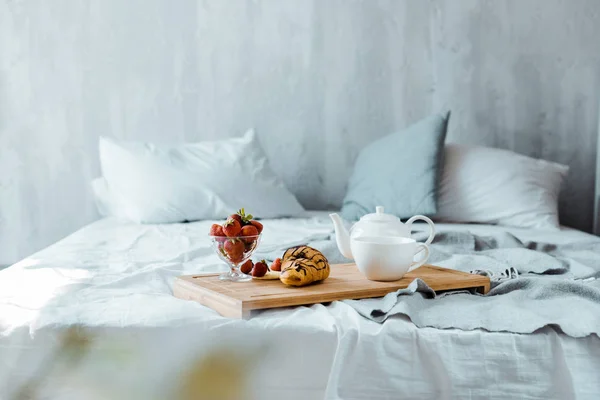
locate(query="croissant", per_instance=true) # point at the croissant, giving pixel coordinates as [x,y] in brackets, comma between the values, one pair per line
[303,265]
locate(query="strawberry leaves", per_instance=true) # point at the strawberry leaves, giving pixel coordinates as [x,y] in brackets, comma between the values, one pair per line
[245,218]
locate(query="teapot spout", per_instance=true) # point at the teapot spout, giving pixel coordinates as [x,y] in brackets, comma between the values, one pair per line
[342,237]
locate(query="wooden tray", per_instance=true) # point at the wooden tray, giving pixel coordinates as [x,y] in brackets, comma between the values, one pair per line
[237,299]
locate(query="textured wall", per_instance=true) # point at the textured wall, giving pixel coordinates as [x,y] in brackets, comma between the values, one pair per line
[317,79]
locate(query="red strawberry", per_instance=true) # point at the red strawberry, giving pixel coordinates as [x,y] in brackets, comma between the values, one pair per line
[249,244]
[276,266]
[249,230]
[222,248]
[246,267]
[216,230]
[232,228]
[257,225]
[234,249]
[260,269]
[237,217]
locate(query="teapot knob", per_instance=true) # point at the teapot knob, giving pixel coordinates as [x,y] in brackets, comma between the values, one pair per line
[379,209]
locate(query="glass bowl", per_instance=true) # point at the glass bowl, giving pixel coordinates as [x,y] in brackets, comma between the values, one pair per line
[235,251]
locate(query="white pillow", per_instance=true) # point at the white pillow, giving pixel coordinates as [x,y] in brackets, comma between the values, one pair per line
[149,183]
[494,186]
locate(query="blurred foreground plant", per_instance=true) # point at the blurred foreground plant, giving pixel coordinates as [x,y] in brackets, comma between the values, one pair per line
[74,344]
[222,374]
[96,366]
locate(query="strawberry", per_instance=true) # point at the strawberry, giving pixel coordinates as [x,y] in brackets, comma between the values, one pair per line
[246,267]
[250,244]
[249,230]
[237,217]
[221,246]
[260,269]
[234,249]
[216,230]
[257,225]
[276,266]
[232,228]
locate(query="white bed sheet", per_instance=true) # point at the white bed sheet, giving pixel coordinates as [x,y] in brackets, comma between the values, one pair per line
[113,278]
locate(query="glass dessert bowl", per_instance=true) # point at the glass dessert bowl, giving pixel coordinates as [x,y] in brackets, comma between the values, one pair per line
[235,251]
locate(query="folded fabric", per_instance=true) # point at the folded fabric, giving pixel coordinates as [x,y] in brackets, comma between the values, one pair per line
[521,306]
[554,288]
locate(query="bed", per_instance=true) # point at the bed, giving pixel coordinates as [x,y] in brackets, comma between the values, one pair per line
[107,289]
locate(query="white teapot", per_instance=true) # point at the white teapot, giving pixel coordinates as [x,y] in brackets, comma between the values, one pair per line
[376,234]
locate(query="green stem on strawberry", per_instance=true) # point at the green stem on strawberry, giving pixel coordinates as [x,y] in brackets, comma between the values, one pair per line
[245,218]
[266,263]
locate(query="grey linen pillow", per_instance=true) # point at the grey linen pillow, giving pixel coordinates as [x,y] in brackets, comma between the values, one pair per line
[400,171]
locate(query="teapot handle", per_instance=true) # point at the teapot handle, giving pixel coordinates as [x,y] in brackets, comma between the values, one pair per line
[429,222]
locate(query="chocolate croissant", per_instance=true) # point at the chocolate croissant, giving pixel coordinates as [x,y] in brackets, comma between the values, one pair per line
[303,265]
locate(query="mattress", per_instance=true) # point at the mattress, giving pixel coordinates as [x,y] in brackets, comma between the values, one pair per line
[104,295]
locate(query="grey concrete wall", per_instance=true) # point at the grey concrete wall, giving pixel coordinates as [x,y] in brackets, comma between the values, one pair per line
[317,79]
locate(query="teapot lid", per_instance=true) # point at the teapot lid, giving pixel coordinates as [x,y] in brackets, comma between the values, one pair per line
[379,216]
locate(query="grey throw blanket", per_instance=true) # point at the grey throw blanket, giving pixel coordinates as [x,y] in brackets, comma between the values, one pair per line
[558,286]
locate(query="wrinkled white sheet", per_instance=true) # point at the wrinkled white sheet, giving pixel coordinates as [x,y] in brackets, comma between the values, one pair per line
[113,278]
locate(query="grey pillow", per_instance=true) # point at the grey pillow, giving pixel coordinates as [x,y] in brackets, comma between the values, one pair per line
[400,171]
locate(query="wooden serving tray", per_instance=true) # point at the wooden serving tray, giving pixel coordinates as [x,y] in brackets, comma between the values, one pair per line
[237,299]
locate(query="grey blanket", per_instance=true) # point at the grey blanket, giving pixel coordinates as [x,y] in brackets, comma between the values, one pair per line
[558,287]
